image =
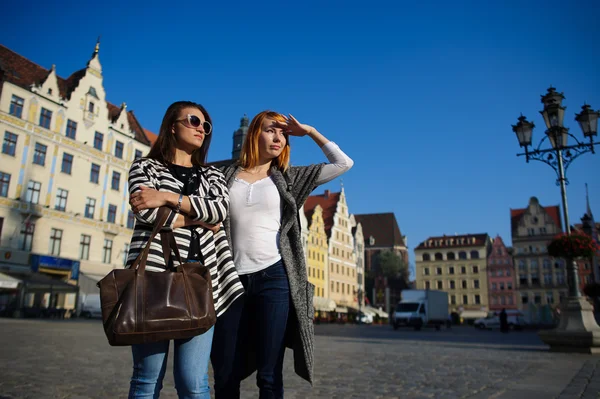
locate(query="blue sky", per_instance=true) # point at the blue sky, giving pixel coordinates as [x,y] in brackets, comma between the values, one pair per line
[421,96]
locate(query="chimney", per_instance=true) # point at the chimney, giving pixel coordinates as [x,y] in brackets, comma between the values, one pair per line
[326,195]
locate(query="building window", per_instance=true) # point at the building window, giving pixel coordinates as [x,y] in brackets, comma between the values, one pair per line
[39,154]
[547,278]
[476,284]
[16,106]
[27,230]
[33,192]
[107,250]
[501,285]
[130,220]
[475,269]
[9,145]
[549,298]
[438,271]
[463,270]
[509,286]
[98,140]
[45,118]
[477,300]
[427,285]
[453,299]
[90,207]
[462,255]
[55,240]
[560,278]
[67,163]
[116,181]
[84,247]
[464,283]
[452,285]
[4,183]
[523,279]
[426,257]
[440,285]
[439,256]
[451,270]
[138,154]
[71,129]
[465,300]
[537,298]
[493,286]
[112,213]
[450,256]
[126,253]
[524,298]
[119,150]
[95,173]
[426,271]
[91,107]
[474,254]
[61,200]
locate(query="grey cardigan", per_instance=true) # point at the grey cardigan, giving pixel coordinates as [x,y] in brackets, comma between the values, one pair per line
[293,189]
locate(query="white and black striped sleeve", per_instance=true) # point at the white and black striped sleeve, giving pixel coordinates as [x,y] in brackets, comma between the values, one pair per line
[213,207]
[140,175]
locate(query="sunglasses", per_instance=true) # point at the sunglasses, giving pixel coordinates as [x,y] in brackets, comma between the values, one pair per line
[193,122]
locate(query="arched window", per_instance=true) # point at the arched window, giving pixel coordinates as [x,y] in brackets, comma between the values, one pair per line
[426,256]
[450,256]
[462,255]
[474,254]
[439,256]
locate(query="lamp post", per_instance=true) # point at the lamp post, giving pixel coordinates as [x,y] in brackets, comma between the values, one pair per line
[577,330]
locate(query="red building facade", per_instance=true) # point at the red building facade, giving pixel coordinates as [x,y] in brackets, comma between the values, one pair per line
[501,277]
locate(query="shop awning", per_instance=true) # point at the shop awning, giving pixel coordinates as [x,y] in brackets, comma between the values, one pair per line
[38,282]
[473,314]
[376,311]
[8,282]
[341,309]
[323,304]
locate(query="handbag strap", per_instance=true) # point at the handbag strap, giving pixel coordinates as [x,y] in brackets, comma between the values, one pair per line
[167,239]
[140,262]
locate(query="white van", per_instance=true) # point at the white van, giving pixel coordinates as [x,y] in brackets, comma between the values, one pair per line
[515,320]
[90,306]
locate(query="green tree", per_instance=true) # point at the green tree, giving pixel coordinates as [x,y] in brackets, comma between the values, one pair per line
[392,265]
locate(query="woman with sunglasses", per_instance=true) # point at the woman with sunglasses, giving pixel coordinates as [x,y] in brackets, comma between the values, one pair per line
[266,194]
[174,175]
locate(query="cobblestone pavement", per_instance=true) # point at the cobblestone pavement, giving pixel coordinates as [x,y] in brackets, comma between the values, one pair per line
[72,359]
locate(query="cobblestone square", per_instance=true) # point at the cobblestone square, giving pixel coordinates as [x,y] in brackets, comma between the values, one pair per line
[72,359]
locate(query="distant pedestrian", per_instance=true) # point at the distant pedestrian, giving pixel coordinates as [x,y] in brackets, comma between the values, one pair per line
[503,321]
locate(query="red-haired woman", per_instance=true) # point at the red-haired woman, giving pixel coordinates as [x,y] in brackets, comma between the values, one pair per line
[263,228]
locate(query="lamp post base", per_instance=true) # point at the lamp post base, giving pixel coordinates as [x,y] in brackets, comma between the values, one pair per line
[577,331]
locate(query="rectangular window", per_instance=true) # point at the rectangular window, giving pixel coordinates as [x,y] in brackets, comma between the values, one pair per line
[537,298]
[4,184]
[125,254]
[560,278]
[524,298]
[426,271]
[509,286]
[112,213]
[475,269]
[90,207]
[463,270]
[67,163]
[116,181]
[39,154]
[9,145]
[61,200]
[465,300]
[107,250]
[475,283]
[91,107]
[452,285]
[98,140]
[451,270]
[45,118]
[464,283]
[84,247]
[501,286]
[138,154]
[55,241]
[95,173]
[493,286]
[427,285]
[16,106]
[547,278]
[438,271]
[33,192]
[71,129]
[27,230]
[440,285]
[549,298]
[130,220]
[119,149]
[477,300]
[453,299]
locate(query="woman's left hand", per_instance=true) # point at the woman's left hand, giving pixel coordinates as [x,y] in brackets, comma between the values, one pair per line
[295,128]
[147,198]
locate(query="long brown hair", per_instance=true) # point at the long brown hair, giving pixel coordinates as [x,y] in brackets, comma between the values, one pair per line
[163,149]
[249,155]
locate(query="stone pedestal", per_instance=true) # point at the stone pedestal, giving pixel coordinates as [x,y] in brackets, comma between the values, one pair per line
[577,332]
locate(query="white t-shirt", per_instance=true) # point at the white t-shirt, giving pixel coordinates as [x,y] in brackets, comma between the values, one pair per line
[255,214]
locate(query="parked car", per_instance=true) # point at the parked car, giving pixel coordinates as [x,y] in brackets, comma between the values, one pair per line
[516,321]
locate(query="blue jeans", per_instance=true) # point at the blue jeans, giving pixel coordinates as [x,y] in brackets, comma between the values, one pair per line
[190,368]
[256,322]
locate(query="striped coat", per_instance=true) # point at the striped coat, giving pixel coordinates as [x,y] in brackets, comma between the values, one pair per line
[211,204]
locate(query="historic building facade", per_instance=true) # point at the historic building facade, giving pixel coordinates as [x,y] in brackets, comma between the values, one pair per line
[63,175]
[541,279]
[501,277]
[458,265]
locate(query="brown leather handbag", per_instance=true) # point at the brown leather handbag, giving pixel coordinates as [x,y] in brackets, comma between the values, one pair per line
[141,307]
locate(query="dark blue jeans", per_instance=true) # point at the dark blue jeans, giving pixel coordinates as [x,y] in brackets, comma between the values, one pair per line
[256,322]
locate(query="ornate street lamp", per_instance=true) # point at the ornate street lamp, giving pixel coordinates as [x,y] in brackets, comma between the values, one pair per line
[577,330]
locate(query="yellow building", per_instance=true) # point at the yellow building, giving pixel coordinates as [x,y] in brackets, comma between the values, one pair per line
[317,251]
[458,265]
[66,152]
